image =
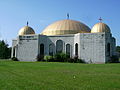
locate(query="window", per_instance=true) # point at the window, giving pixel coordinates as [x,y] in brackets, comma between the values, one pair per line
[76,49]
[13,51]
[108,49]
[51,49]
[68,49]
[41,49]
[59,46]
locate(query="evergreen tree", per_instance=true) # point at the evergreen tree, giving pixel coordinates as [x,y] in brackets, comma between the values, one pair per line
[5,51]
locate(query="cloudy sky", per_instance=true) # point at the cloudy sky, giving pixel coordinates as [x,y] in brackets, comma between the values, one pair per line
[15,13]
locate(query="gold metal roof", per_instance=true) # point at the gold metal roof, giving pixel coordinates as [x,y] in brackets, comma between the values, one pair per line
[100,27]
[66,27]
[26,30]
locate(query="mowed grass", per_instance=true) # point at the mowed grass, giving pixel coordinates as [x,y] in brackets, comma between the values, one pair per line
[58,76]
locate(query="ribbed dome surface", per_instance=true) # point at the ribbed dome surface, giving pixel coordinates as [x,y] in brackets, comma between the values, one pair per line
[100,27]
[66,27]
[26,30]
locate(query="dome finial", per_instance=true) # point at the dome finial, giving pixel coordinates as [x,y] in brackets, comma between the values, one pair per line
[100,19]
[27,23]
[67,15]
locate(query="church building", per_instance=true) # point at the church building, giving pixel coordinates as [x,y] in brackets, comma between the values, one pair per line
[96,45]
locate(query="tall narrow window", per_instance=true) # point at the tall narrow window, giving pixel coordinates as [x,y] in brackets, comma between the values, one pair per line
[76,49]
[51,49]
[108,49]
[41,50]
[59,46]
[68,49]
[13,51]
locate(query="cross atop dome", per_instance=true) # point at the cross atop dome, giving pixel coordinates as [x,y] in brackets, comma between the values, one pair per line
[100,19]
[27,23]
[68,15]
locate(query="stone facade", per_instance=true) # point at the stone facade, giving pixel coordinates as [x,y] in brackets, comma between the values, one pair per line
[90,47]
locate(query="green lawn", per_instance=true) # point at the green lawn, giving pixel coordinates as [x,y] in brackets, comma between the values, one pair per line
[58,76]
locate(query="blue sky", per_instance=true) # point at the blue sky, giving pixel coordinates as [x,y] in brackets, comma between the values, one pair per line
[15,13]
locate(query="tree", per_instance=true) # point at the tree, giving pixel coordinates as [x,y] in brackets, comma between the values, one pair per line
[5,51]
[118,49]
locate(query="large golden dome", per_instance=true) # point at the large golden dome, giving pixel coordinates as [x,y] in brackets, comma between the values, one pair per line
[26,30]
[66,27]
[100,27]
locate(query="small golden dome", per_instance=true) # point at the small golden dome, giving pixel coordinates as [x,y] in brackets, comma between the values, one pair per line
[66,27]
[100,27]
[26,30]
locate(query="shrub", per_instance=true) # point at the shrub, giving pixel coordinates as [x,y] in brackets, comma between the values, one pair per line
[114,59]
[48,58]
[71,60]
[14,59]
[80,61]
[40,57]
[60,57]
[75,60]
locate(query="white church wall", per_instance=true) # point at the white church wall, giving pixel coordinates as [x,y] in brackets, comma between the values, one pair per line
[92,47]
[27,48]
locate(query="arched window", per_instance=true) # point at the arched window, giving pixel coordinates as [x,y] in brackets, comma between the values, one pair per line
[41,49]
[76,49]
[68,49]
[51,49]
[59,46]
[108,49]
